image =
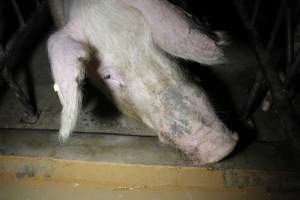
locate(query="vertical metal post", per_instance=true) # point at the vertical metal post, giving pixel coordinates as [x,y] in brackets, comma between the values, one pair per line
[278,21]
[13,50]
[279,94]
[30,115]
[259,87]
[37,2]
[289,34]
[18,12]
[293,69]
[255,12]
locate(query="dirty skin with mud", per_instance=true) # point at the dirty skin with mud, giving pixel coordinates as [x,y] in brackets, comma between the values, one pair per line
[174,102]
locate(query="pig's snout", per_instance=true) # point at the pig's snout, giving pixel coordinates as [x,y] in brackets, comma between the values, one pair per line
[190,124]
[205,146]
[216,148]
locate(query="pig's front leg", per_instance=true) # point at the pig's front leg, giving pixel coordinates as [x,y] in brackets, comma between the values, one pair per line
[65,56]
[173,31]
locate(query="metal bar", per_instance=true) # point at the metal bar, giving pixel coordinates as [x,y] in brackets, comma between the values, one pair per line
[1,49]
[18,12]
[278,21]
[279,94]
[24,36]
[297,7]
[289,34]
[259,87]
[37,2]
[290,77]
[8,78]
[1,54]
[255,12]
[21,39]
[2,24]
[247,109]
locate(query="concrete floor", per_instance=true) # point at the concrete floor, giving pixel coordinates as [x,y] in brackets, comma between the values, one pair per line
[264,166]
[33,165]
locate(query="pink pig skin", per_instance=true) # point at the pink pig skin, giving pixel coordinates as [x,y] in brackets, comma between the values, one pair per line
[122,46]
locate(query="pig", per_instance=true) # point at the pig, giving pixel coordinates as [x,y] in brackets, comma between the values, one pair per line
[128,48]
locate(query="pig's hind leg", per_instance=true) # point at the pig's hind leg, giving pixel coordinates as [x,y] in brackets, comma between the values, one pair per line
[65,56]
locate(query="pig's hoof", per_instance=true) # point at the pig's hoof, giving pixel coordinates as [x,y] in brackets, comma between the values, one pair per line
[62,138]
[30,118]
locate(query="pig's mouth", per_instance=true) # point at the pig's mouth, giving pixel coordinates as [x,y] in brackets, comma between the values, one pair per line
[213,151]
[203,150]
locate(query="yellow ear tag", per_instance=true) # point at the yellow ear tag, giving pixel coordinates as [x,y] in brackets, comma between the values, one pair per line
[56,89]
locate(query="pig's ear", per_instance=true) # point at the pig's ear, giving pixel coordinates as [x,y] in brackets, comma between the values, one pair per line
[65,56]
[173,31]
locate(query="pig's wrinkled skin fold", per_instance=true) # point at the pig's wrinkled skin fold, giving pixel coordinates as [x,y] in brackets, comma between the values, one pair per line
[122,46]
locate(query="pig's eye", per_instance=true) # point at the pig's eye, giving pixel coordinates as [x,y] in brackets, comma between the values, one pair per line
[107,76]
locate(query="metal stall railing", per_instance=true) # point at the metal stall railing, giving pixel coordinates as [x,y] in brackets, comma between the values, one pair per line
[267,78]
[11,51]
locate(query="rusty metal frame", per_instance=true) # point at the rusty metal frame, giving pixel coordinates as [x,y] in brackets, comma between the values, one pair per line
[13,49]
[259,87]
[279,90]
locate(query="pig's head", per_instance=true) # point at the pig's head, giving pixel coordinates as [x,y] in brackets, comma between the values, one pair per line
[184,118]
[194,127]
[176,109]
